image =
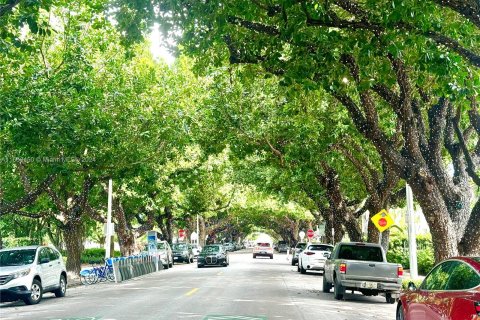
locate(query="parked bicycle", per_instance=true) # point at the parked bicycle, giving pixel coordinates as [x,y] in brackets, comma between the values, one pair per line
[98,273]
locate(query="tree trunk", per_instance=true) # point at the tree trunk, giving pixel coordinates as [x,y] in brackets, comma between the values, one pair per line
[73,233]
[444,235]
[168,223]
[125,235]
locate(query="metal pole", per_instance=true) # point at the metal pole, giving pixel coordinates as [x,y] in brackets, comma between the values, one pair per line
[198,233]
[109,220]
[412,241]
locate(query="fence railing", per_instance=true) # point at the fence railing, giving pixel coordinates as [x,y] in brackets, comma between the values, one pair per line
[125,268]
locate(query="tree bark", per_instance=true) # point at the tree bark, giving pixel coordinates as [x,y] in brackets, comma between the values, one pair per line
[73,234]
[126,237]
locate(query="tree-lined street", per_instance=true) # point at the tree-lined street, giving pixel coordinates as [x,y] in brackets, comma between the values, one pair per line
[253,288]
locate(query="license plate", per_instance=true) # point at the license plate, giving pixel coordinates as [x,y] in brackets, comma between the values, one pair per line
[175,258]
[369,285]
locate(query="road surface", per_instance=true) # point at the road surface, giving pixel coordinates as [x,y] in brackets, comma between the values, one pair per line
[247,289]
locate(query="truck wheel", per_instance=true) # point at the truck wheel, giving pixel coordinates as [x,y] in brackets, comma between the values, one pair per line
[389,299]
[338,290]
[326,285]
[37,293]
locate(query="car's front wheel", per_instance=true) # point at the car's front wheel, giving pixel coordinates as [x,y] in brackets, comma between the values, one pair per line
[62,287]
[37,293]
[400,314]
[302,269]
[326,285]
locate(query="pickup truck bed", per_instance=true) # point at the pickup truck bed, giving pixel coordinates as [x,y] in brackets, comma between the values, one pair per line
[362,267]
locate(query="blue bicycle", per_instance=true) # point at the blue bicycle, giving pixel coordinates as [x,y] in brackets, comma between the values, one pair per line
[98,273]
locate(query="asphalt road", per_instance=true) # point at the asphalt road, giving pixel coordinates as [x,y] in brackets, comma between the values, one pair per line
[247,289]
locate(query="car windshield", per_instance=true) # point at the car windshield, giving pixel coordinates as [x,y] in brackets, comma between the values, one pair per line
[179,246]
[263,244]
[301,245]
[319,247]
[17,257]
[210,249]
[362,253]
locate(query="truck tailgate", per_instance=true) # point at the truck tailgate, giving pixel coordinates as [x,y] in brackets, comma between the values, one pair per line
[371,271]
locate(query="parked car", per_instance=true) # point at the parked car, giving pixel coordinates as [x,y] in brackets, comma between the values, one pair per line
[229,246]
[282,246]
[362,267]
[263,249]
[26,273]
[164,253]
[313,257]
[182,252]
[196,249]
[213,255]
[451,291]
[299,247]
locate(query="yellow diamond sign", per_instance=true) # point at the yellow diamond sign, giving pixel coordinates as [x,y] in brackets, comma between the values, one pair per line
[382,220]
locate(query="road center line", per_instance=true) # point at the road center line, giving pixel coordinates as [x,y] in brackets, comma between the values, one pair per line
[189,293]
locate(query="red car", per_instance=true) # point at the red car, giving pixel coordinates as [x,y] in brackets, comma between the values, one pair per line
[451,291]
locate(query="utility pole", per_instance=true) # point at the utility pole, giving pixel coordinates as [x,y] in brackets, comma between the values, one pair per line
[198,233]
[412,240]
[108,231]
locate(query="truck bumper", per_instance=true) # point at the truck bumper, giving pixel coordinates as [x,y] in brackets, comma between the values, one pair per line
[381,286]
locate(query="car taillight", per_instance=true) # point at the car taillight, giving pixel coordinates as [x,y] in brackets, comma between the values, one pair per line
[400,271]
[477,307]
[309,253]
[343,268]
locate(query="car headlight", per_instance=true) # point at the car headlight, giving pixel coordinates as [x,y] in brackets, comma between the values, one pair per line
[21,273]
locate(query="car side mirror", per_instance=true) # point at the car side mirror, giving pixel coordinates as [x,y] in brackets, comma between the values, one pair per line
[44,260]
[411,286]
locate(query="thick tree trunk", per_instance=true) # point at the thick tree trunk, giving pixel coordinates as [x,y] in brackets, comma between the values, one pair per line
[125,235]
[168,223]
[73,233]
[444,235]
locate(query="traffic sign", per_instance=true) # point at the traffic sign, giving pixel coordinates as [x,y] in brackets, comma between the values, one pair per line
[181,233]
[301,234]
[382,220]
[310,233]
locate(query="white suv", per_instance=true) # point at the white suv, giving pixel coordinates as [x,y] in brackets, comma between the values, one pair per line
[27,272]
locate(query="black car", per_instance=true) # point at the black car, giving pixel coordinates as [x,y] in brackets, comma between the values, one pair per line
[182,252]
[213,255]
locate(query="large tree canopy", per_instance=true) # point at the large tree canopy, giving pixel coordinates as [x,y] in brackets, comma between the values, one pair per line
[415,63]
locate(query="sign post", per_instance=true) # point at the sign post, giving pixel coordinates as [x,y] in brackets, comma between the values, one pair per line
[412,241]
